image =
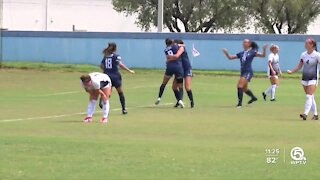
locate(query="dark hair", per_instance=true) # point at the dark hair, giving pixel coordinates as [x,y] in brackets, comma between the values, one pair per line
[313,42]
[254,46]
[112,47]
[169,41]
[85,78]
[178,41]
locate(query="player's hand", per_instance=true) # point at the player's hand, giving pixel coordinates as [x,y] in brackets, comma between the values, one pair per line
[225,51]
[273,72]
[131,71]
[289,71]
[264,47]
[280,73]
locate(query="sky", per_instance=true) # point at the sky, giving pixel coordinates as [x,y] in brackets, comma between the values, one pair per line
[84,15]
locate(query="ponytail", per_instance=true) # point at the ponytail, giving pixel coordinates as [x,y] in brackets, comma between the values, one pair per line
[112,47]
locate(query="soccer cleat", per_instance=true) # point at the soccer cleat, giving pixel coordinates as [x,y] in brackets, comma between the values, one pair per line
[104,120]
[252,100]
[124,112]
[273,100]
[239,105]
[181,103]
[264,96]
[87,119]
[303,116]
[100,103]
[177,105]
[192,104]
[158,101]
[315,117]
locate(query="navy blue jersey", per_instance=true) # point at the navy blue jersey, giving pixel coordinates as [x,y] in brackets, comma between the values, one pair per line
[171,50]
[185,61]
[246,58]
[111,64]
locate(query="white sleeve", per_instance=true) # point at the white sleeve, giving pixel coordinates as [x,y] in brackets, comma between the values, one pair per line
[271,57]
[119,58]
[318,57]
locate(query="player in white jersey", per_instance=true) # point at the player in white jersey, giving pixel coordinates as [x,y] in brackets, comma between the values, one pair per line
[273,72]
[97,84]
[309,60]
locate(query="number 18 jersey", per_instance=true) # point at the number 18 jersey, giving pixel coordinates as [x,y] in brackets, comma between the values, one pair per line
[111,64]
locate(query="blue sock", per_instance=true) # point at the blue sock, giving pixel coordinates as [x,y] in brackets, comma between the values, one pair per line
[177,94]
[181,92]
[122,101]
[190,95]
[162,87]
[240,95]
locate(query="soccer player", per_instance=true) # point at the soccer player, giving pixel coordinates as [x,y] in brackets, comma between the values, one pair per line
[309,60]
[173,67]
[273,72]
[110,66]
[187,69]
[97,84]
[246,57]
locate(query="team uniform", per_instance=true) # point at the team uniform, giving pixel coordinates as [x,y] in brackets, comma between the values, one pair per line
[186,65]
[274,59]
[310,72]
[98,81]
[174,67]
[111,68]
[246,58]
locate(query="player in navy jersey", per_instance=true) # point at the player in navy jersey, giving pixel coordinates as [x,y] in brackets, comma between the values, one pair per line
[110,66]
[172,68]
[309,60]
[187,71]
[246,57]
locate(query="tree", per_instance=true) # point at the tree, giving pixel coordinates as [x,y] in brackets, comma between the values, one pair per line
[283,16]
[187,15]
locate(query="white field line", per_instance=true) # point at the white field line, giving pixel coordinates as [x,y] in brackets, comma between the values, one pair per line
[72,114]
[59,93]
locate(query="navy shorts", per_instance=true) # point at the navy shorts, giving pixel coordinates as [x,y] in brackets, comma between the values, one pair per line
[188,72]
[176,71]
[116,80]
[247,75]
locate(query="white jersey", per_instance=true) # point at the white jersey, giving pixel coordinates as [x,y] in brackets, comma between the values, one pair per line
[274,59]
[98,81]
[310,65]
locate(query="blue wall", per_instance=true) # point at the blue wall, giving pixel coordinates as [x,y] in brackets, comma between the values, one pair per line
[142,49]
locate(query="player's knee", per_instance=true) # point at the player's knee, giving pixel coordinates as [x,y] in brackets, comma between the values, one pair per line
[179,80]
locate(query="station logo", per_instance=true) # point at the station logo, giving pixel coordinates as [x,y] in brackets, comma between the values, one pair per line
[297,156]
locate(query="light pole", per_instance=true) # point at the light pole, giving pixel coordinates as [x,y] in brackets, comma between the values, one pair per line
[160,15]
[46,15]
[1,27]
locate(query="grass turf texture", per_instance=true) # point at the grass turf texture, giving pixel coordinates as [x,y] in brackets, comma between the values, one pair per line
[213,141]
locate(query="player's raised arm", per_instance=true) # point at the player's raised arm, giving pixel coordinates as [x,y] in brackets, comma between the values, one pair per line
[125,67]
[263,54]
[297,68]
[230,57]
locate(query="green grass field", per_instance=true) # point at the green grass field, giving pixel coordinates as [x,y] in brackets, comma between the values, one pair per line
[42,135]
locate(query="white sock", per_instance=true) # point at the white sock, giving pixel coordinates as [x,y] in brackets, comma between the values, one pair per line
[91,107]
[105,109]
[268,91]
[308,104]
[314,106]
[273,91]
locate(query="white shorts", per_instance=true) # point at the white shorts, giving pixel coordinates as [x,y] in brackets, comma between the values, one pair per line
[309,83]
